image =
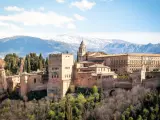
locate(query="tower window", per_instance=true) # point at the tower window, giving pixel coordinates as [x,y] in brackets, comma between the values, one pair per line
[34,80]
[67,67]
[55,75]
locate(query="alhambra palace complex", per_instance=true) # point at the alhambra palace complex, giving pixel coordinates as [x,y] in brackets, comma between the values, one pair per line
[91,68]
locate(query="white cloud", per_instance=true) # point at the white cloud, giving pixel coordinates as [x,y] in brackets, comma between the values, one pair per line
[33,18]
[60,1]
[71,26]
[83,5]
[41,8]
[3,24]
[10,26]
[79,17]
[13,8]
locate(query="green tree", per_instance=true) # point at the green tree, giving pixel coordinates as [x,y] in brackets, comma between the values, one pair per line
[139,117]
[127,113]
[28,64]
[51,114]
[36,62]
[31,117]
[46,64]
[123,117]
[130,118]
[94,89]
[156,109]
[145,113]
[12,64]
[40,62]
[81,98]
[68,108]
[152,116]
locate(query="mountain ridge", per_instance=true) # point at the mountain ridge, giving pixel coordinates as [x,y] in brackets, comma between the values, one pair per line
[23,45]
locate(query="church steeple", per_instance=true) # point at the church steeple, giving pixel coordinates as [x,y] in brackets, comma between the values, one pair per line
[82,43]
[81,51]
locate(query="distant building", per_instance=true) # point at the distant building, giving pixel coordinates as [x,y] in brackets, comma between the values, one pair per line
[129,63]
[121,63]
[88,74]
[60,69]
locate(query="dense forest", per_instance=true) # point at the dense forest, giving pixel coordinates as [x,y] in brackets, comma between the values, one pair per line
[84,107]
[32,62]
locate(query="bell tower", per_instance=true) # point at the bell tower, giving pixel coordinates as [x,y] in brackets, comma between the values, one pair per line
[81,52]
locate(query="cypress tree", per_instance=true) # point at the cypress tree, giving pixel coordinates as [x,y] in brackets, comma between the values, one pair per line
[46,65]
[28,64]
[40,64]
[68,109]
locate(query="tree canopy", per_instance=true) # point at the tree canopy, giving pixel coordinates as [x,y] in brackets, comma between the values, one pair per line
[33,62]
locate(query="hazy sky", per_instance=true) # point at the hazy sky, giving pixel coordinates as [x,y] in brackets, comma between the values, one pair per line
[132,20]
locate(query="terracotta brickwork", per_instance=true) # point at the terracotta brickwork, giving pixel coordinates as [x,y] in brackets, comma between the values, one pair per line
[31,82]
[85,79]
[88,76]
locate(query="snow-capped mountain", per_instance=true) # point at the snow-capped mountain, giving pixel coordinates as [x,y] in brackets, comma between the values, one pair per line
[23,45]
[90,42]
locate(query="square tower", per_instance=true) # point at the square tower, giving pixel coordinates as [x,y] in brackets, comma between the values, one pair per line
[60,74]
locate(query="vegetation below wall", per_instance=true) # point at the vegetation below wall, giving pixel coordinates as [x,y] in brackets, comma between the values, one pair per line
[69,108]
[77,107]
[85,91]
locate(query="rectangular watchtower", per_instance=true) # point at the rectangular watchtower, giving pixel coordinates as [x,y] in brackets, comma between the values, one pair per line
[60,74]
